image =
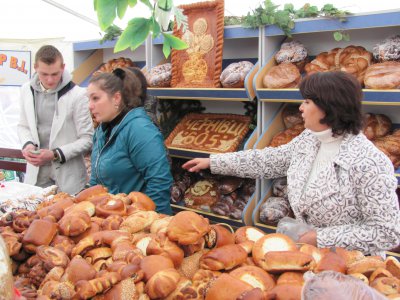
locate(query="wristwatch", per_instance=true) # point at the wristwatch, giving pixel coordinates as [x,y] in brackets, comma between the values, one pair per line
[56,156]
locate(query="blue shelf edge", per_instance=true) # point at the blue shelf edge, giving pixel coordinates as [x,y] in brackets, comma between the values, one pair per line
[238,94]
[391,97]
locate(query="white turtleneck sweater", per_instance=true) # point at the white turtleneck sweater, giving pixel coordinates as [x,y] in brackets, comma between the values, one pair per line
[328,150]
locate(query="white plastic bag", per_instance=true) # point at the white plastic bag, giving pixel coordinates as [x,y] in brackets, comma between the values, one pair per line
[292,228]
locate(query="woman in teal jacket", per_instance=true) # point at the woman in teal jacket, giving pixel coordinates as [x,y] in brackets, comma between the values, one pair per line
[128,149]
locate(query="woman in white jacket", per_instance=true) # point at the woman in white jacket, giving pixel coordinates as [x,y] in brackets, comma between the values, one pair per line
[338,181]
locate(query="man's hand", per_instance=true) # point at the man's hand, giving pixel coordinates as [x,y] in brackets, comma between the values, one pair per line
[37,160]
[310,237]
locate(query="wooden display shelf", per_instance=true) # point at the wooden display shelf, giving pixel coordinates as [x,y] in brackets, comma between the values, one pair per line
[214,94]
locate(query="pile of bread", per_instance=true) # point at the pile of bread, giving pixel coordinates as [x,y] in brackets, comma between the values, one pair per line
[377,70]
[223,195]
[233,76]
[102,246]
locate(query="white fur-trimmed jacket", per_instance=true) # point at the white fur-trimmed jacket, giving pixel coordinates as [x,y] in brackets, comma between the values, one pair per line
[352,204]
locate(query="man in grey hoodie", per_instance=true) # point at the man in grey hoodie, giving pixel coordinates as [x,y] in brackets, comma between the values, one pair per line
[55,126]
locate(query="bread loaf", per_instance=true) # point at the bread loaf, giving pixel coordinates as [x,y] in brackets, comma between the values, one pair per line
[285,75]
[223,258]
[227,287]
[388,49]
[383,76]
[255,276]
[160,76]
[40,232]
[376,126]
[293,52]
[187,228]
[287,135]
[162,283]
[233,76]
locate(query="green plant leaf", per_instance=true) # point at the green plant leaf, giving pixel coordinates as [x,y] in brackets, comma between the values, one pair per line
[95,5]
[166,48]
[122,5]
[165,5]
[154,27]
[337,36]
[148,4]
[132,3]
[346,37]
[175,42]
[134,34]
[106,13]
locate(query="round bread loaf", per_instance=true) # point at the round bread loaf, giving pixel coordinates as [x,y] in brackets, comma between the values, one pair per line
[282,76]
[160,76]
[388,49]
[233,76]
[376,126]
[383,76]
[293,52]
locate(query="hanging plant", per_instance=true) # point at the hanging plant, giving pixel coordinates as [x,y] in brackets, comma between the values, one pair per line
[138,29]
[269,14]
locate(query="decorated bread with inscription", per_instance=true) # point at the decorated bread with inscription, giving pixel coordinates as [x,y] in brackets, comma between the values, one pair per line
[214,133]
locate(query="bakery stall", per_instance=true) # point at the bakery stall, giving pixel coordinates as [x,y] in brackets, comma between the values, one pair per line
[372,42]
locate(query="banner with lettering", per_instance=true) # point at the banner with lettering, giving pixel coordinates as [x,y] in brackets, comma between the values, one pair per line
[15,67]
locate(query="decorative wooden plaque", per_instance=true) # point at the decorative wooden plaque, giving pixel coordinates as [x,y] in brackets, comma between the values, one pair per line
[213,133]
[200,65]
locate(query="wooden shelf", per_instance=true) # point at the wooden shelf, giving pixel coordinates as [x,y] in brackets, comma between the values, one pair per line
[214,94]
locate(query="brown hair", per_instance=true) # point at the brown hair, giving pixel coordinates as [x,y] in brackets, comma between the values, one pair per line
[339,95]
[124,81]
[48,54]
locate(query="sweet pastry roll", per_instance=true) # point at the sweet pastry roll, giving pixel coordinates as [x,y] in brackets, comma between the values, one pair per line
[227,287]
[315,252]
[193,248]
[233,75]
[271,242]
[349,256]
[290,278]
[160,225]
[191,264]
[57,290]
[121,249]
[223,258]
[141,201]
[162,283]
[112,222]
[361,277]
[94,227]
[54,274]
[22,220]
[142,240]
[99,238]
[184,290]
[40,232]
[254,276]
[88,289]
[331,261]
[248,233]
[187,228]
[365,266]
[74,224]
[111,207]
[393,266]
[96,254]
[161,245]
[386,285]
[52,257]
[124,290]
[62,203]
[285,291]
[283,76]
[79,269]
[219,236]
[283,261]
[91,192]
[11,240]
[102,265]
[380,272]
[141,220]
[87,206]
[152,264]
[134,257]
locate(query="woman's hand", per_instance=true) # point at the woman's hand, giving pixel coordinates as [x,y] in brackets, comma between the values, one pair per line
[197,164]
[310,237]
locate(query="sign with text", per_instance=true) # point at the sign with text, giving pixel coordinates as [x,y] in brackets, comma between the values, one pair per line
[15,67]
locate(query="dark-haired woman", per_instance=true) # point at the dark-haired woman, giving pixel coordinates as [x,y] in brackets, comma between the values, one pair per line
[338,181]
[128,149]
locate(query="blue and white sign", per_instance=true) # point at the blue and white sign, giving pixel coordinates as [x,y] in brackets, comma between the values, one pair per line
[15,67]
